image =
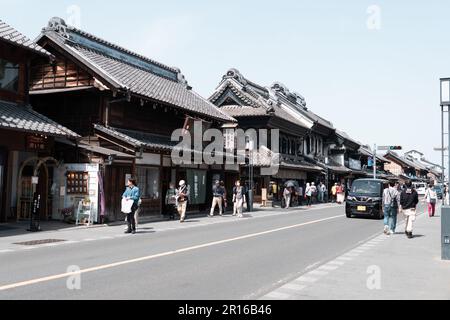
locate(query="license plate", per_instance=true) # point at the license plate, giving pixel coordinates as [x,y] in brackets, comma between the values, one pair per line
[362,208]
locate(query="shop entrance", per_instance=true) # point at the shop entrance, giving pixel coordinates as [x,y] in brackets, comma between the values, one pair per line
[114,187]
[27,190]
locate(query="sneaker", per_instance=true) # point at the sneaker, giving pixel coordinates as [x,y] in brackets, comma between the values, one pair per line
[410,235]
[386,230]
[127,232]
[391,232]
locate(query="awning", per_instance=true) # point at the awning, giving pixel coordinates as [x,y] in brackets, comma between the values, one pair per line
[24,118]
[105,151]
[304,166]
[339,169]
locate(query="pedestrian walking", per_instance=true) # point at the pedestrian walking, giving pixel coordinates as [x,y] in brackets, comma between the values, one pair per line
[238,199]
[431,199]
[218,194]
[130,203]
[391,204]
[287,194]
[321,190]
[408,202]
[334,193]
[171,201]
[308,195]
[182,197]
[340,194]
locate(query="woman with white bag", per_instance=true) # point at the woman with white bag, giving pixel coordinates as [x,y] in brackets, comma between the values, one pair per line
[130,204]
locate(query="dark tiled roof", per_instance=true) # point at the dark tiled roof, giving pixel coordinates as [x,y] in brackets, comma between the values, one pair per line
[255,102]
[244,111]
[302,165]
[347,137]
[23,118]
[104,151]
[13,36]
[138,139]
[126,70]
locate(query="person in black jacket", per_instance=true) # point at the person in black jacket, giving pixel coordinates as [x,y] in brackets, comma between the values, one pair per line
[408,201]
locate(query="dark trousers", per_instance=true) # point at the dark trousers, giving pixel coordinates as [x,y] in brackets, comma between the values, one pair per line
[171,211]
[130,219]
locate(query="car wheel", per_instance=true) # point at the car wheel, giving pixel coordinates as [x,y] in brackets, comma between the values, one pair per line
[349,215]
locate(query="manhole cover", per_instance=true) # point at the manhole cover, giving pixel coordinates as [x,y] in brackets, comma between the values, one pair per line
[38,242]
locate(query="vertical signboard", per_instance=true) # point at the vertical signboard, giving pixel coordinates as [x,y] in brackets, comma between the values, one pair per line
[196,179]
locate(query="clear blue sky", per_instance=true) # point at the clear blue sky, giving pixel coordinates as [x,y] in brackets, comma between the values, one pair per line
[380,86]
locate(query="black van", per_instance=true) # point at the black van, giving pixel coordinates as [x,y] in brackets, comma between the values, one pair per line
[366,198]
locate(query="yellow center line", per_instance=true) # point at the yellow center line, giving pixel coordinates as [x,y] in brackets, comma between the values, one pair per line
[155,256]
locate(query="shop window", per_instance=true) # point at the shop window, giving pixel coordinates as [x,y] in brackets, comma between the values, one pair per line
[148,183]
[77,183]
[9,76]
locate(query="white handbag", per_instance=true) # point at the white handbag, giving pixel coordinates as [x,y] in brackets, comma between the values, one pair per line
[127,206]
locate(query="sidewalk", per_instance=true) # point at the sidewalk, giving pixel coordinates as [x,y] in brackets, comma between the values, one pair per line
[386,267]
[69,234]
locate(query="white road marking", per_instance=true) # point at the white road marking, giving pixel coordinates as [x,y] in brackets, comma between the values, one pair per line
[28,248]
[164,254]
[6,250]
[277,295]
[318,273]
[293,286]
[328,268]
[345,258]
[338,263]
[306,279]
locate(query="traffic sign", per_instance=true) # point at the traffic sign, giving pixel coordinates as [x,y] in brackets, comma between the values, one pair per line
[389,148]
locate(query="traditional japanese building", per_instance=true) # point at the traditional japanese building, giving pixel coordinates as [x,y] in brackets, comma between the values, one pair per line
[305,137]
[27,138]
[405,168]
[126,106]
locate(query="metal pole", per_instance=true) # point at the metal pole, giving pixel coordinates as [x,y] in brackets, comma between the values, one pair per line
[250,192]
[442,137]
[448,132]
[375,162]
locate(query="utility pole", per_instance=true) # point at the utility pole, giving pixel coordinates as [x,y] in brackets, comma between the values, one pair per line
[375,162]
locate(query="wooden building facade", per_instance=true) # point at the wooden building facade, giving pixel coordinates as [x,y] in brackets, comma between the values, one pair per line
[27,138]
[126,107]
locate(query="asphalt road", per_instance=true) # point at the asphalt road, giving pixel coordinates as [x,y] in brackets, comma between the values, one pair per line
[242,259]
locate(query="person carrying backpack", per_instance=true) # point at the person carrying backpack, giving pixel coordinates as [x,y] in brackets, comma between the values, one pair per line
[391,204]
[408,201]
[431,199]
